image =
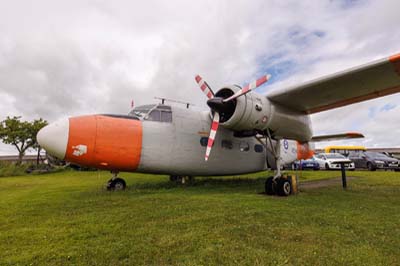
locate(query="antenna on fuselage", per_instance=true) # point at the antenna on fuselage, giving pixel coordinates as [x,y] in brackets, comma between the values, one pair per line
[163,100]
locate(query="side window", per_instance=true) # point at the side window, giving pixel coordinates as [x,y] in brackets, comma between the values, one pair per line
[227,144]
[155,115]
[258,148]
[244,146]
[166,116]
[204,141]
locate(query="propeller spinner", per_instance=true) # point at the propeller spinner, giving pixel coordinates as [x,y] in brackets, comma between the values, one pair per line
[219,104]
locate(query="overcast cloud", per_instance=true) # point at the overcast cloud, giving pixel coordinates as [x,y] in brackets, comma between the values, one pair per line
[64,58]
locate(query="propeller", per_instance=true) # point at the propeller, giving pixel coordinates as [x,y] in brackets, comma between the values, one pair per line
[248,88]
[204,87]
[219,104]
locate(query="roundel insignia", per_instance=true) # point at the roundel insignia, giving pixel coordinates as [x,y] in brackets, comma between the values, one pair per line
[285,144]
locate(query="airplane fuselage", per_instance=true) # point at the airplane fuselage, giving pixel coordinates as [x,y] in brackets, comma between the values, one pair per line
[171,142]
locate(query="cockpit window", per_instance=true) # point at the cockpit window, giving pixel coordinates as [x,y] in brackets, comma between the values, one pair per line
[166,116]
[141,111]
[160,113]
[154,115]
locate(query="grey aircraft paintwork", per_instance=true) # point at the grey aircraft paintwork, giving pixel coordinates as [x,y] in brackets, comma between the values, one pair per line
[175,148]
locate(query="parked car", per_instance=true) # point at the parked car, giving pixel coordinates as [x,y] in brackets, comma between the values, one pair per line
[374,160]
[306,164]
[331,161]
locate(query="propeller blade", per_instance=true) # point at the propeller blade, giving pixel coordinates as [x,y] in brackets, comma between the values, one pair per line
[248,88]
[204,87]
[213,132]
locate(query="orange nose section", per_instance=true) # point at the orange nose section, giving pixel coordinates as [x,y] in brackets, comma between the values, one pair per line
[105,142]
[304,151]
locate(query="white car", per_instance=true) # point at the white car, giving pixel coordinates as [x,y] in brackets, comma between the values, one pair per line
[331,161]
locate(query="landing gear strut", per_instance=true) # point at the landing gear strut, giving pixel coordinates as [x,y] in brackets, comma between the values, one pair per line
[277,184]
[181,179]
[116,183]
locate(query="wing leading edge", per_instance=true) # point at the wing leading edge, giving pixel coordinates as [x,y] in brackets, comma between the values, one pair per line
[369,81]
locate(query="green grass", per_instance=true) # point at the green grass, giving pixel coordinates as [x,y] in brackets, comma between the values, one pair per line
[67,218]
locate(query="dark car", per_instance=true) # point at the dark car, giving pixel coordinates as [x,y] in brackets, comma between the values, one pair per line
[374,160]
[306,164]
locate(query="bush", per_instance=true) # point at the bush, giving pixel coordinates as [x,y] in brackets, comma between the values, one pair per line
[12,169]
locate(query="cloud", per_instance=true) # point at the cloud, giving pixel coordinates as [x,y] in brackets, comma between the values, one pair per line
[64,58]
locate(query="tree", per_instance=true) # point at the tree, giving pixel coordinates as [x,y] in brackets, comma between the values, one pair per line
[21,134]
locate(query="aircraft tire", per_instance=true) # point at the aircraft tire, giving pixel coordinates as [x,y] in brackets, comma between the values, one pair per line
[283,187]
[116,184]
[270,188]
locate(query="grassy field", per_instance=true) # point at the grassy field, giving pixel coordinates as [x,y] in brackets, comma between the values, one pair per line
[68,218]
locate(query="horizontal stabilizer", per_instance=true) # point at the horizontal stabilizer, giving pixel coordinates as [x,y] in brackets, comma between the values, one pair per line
[349,135]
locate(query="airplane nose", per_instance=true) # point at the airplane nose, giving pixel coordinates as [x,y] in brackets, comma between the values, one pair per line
[54,138]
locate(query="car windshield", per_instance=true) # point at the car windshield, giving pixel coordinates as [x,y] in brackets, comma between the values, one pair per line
[376,155]
[334,156]
[141,111]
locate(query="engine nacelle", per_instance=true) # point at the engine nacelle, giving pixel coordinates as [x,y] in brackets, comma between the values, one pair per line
[254,111]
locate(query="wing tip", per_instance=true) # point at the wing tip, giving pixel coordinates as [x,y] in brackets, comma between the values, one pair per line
[394,58]
[355,135]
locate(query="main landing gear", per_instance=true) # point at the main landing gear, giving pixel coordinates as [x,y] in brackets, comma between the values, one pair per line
[116,183]
[278,184]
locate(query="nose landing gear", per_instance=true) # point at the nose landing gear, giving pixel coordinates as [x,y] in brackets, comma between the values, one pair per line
[116,183]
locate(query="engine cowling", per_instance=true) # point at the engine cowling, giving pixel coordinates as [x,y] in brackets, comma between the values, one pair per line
[254,111]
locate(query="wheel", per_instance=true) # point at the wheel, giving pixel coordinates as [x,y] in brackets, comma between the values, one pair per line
[370,167]
[270,188]
[327,166]
[116,184]
[284,188]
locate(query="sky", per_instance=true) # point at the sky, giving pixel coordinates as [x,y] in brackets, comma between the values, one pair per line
[67,58]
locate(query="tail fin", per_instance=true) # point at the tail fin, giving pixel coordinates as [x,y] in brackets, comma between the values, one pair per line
[349,135]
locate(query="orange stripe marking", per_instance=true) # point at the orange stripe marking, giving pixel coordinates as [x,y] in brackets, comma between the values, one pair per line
[111,143]
[395,59]
[303,151]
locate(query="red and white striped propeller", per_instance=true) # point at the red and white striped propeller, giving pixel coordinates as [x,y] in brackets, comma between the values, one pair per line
[215,123]
[248,88]
[210,94]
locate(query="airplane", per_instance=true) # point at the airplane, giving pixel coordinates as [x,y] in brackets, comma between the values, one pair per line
[244,131]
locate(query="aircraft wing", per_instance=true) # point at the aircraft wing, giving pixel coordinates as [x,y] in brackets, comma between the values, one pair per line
[369,81]
[349,135]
